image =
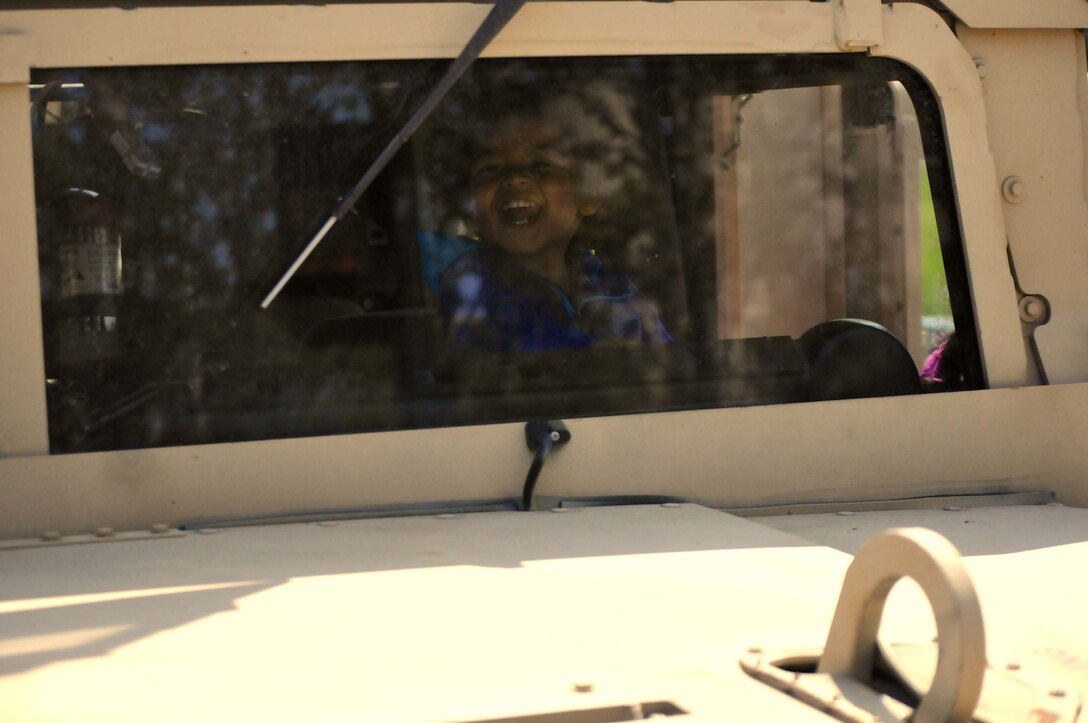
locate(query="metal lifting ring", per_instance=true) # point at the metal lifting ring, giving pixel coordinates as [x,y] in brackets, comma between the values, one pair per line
[935,564]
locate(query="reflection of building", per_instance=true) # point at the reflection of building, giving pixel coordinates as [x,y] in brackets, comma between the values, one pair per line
[817,210]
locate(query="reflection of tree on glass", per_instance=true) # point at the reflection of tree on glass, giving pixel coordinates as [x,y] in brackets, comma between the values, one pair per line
[528,287]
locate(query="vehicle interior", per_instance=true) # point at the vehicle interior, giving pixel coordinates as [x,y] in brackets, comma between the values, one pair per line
[205,180]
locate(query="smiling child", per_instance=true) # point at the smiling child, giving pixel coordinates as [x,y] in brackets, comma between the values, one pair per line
[524,289]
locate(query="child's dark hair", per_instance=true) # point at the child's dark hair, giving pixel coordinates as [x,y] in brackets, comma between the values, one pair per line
[463,128]
[601,118]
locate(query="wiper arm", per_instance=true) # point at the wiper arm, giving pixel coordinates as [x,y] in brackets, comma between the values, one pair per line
[495,21]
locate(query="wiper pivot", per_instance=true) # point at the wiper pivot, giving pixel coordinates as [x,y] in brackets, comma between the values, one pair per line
[540,435]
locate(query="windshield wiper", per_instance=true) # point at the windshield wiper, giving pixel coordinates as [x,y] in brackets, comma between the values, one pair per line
[495,21]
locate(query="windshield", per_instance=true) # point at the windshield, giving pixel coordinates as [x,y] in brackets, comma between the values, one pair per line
[563,237]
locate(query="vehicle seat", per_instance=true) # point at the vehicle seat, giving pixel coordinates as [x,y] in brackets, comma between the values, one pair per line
[853,358]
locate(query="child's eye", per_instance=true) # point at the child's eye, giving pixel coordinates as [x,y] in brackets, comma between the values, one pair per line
[485,171]
[542,165]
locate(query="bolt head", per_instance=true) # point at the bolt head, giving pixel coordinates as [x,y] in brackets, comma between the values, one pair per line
[583,687]
[104,532]
[1032,309]
[555,436]
[1014,189]
[51,536]
[159,528]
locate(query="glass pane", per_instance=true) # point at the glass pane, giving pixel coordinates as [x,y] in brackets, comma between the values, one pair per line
[563,237]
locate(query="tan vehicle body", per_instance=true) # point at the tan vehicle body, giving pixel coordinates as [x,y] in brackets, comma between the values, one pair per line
[499,615]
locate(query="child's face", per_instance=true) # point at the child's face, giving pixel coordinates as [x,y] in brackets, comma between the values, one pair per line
[525,189]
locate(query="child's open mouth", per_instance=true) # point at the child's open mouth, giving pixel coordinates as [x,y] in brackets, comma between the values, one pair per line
[519,213]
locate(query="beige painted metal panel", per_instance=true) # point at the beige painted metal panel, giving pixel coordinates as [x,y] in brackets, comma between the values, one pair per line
[496,614]
[1033,86]
[23,427]
[112,36]
[1020,13]
[988,441]
[15,54]
[416,619]
[844,450]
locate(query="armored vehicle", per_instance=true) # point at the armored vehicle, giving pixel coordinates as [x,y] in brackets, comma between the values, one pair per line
[552,361]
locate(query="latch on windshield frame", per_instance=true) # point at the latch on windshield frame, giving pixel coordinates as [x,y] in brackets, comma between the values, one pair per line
[859,24]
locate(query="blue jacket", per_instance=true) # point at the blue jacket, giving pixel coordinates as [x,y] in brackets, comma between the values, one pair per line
[489,301]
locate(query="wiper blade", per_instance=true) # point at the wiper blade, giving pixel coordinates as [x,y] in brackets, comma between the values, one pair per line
[495,21]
